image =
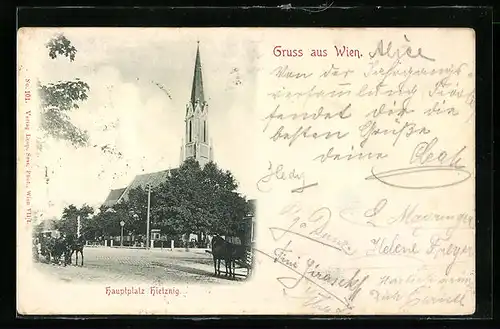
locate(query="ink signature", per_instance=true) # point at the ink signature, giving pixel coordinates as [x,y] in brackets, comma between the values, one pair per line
[434,170]
[302,276]
[405,50]
[312,274]
[385,177]
[315,228]
[317,300]
[279,173]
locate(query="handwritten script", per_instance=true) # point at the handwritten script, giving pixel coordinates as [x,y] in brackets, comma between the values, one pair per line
[375,142]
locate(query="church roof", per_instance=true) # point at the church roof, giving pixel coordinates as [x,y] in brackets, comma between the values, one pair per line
[113,197]
[154,179]
[197,89]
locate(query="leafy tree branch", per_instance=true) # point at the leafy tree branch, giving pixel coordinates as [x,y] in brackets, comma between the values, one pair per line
[58,99]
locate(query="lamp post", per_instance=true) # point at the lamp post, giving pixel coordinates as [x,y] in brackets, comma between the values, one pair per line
[147,218]
[78,227]
[110,210]
[122,224]
[135,217]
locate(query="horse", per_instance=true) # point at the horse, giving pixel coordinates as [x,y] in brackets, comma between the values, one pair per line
[46,245]
[57,249]
[75,246]
[229,252]
[219,252]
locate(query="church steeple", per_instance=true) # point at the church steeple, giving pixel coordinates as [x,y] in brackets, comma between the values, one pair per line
[196,143]
[197,88]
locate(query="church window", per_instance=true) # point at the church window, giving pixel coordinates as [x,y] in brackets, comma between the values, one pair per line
[190,132]
[204,131]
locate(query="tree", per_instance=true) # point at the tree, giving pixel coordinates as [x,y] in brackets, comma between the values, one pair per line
[136,208]
[195,200]
[69,221]
[191,200]
[92,228]
[58,99]
[180,207]
[107,221]
[38,229]
[59,45]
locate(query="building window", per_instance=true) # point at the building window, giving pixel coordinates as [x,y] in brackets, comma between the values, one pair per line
[204,131]
[190,132]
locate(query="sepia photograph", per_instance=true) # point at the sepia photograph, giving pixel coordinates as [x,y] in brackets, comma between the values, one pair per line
[127,146]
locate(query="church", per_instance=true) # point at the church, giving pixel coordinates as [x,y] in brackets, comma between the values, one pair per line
[195,143]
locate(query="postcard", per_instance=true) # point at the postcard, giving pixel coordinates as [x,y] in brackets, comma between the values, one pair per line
[241,171]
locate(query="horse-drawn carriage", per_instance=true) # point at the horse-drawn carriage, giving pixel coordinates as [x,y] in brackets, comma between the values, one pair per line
[48,246]
[55,248]
[237,255]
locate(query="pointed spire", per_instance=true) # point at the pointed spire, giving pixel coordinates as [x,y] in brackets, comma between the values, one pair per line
[197,89]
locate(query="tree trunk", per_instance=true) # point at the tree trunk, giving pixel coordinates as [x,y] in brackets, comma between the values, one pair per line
[200,238]
[186,241]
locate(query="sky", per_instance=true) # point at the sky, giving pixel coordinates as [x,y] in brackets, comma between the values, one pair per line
[129,112]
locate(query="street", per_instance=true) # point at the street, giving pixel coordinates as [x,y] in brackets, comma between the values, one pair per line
[107,264]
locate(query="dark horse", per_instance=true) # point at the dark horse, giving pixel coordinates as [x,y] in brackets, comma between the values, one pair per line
[57,248]
[229,252]
[46,246]
[75,246]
